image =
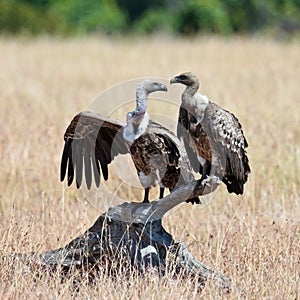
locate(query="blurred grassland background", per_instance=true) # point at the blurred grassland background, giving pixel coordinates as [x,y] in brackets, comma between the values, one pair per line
[45,80]
[253,239]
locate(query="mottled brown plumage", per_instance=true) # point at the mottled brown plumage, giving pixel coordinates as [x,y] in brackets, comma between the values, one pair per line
[213,136]
[158,155]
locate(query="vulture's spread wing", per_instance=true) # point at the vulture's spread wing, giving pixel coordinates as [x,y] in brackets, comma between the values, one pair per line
[91,139]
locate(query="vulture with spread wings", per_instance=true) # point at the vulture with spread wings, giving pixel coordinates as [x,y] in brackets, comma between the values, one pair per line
[92,141]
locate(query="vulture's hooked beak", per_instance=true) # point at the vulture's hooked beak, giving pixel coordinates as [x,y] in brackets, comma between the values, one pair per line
[164,88]
[174,80]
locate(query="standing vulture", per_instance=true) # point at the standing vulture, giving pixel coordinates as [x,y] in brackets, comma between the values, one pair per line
[157,153]
[213,137]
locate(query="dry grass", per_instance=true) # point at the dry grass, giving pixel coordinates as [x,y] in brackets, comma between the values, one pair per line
[254,239]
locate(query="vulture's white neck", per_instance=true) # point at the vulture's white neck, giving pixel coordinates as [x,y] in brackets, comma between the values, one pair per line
[141,93]
[195,103]
[141,99]
[135,127]
[138,124]
[190,91]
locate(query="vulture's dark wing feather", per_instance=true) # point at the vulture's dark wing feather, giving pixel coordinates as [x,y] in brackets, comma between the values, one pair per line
[177,156]
[91,139]
[230,143]
[183,133]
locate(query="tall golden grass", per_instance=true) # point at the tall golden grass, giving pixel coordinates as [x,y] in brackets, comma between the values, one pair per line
[254,239]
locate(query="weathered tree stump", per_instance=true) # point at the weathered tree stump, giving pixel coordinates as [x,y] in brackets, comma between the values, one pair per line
[131,235]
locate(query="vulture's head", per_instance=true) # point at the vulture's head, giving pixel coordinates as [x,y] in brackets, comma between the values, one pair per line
[187,79]
[150,86]
[143,89]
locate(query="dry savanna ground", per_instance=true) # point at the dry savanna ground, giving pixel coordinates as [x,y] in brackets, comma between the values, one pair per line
[254,239]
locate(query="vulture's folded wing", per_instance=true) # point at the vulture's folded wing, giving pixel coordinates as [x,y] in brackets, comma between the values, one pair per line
[183,133]
[91,139]
[226,131]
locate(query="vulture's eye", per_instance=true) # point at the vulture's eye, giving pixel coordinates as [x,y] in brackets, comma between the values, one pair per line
[182,77]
